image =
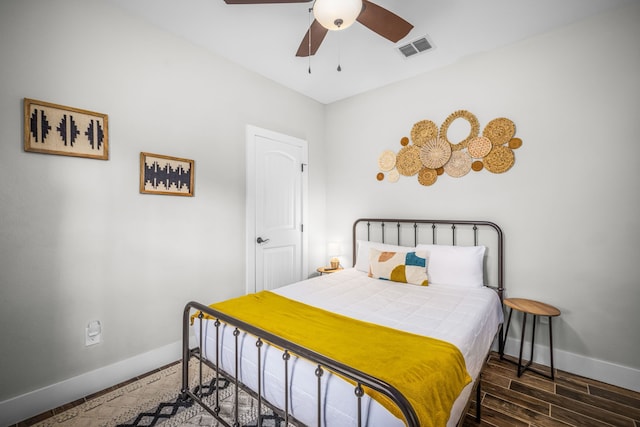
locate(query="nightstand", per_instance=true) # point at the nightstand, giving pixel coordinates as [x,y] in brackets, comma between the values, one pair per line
[327,270]
[535,308]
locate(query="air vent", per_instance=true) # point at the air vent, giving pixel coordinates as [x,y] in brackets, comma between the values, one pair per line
[417,46]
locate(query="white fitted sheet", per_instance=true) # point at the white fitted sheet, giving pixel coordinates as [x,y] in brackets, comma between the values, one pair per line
[467,318]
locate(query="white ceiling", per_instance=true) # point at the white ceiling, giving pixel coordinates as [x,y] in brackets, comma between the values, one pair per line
[265,38]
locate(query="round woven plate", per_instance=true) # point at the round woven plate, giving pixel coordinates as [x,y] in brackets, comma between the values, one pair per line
[473,132]
[499,130]
[459,164]
[408,160]
[393,175]
[387,160]
[477,166]
[427,176]
[479,147]
[515,143]
[423,131]
[500,159]
[435,153]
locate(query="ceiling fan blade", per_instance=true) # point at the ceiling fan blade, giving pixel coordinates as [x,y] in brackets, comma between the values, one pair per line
[264,1]
[386,23]
[317,32]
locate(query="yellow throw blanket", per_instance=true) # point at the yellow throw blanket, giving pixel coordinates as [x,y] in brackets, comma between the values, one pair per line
[429,372]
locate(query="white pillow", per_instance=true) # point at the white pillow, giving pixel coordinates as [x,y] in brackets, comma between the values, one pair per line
[362,252]
[455,265]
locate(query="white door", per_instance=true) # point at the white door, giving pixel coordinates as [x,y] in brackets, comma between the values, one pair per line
[276,179]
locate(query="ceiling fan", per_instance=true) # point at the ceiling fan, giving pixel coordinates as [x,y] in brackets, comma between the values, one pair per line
[340,14]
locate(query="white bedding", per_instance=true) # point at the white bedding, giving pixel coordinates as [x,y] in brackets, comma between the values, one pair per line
[466,317]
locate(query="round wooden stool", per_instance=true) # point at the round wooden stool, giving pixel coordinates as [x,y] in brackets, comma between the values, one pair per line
[535,308]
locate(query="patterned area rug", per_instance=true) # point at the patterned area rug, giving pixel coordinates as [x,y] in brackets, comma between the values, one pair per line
[154,401]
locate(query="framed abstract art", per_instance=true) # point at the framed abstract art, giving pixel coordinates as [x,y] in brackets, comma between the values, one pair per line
[166,175]
[57,129]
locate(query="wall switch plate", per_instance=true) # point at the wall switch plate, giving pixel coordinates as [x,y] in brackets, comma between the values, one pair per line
[93,333]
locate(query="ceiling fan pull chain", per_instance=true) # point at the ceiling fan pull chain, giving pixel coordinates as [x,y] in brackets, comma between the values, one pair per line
[339,47]
[309,30]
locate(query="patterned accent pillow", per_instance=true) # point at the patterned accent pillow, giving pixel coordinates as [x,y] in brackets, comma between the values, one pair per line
[404,267]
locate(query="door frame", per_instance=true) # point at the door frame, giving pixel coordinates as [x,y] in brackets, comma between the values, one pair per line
[250,202]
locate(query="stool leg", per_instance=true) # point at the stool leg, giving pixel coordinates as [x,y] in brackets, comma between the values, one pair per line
[506,332]
[524,327]
[533,338]
[551,348]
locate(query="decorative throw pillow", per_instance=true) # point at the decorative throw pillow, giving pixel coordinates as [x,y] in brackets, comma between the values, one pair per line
[404,267]
[362,256]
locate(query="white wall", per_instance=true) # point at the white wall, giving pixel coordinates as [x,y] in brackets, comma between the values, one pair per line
[77,240]
[570,206]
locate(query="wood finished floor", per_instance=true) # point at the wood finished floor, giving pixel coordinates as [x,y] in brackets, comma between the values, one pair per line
[530,400]
[533,400]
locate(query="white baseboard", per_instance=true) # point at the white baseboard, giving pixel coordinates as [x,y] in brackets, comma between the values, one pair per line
[38,401]
[33,403]
[607,372]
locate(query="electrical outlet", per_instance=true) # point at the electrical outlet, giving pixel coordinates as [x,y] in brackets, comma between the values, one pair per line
[93,333]
[544,320]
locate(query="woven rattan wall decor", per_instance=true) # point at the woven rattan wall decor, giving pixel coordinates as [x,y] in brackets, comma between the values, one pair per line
[429,153]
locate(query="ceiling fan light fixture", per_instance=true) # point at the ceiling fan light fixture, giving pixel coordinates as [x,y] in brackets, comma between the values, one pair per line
[336,14]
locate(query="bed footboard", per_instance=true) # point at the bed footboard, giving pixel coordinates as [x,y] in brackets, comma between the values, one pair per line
[289,349]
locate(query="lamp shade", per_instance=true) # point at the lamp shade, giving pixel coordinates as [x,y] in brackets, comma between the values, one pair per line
[336,14]
[334,249]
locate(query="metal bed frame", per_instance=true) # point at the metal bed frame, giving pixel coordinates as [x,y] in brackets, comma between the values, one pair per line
[372,228]
[404,232]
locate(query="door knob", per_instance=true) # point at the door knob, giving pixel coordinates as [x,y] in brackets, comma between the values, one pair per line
[261,240]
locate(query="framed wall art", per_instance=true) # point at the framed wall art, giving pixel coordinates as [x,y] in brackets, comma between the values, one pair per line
[166,175]
[57,129]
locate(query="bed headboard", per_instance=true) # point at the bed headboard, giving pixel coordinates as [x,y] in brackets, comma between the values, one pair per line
[411,232]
